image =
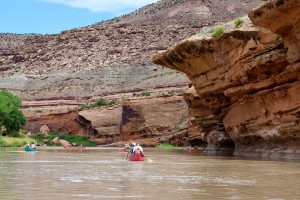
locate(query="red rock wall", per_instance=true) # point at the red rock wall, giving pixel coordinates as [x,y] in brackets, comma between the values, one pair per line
[102,124]
[63,122]
[247,82]
[149,120]
[154,120]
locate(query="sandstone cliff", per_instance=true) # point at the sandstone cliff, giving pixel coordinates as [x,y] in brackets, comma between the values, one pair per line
[53,74]
[149,120]
[245,93]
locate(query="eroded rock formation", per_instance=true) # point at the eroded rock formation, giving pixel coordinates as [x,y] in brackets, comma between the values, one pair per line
[149,120]
[154,120]
[246,82]
[102,124]
[63,122]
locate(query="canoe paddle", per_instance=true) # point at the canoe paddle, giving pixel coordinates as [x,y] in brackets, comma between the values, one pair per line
[148,159]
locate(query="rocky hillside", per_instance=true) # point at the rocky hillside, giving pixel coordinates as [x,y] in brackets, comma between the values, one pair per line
[10,41]
[245,94]
[108,57]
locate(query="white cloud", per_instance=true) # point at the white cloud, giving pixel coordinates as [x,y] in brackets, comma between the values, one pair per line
[112,6]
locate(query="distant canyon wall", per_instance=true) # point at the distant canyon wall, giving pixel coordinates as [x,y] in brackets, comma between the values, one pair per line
[245,94]
[108,57]
[148,120]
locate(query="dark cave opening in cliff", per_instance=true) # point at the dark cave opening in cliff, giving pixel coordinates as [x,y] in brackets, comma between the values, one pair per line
[197,143]
[87,126]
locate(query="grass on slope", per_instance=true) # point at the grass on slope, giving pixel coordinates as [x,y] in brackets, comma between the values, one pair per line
[15,142]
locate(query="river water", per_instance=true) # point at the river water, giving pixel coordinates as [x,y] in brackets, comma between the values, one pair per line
[103,173]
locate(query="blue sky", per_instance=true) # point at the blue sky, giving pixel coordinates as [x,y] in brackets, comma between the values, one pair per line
[54,16]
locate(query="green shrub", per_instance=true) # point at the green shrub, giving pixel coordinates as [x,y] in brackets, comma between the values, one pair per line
[171,92]
[14,134]
[147,94]
[98,103]
[238,22]
[101,102]
[11,117]
[217,32]
[78,140]
[24,131]
[38,137]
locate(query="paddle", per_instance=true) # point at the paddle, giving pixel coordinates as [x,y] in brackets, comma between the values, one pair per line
[148,159]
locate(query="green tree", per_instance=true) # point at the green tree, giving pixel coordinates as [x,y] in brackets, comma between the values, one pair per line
[11,117]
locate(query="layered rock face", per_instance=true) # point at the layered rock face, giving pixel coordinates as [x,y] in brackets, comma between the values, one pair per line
[102,124]
[107,57]
[154,120]
[149,120]
[245,93]
[63,122]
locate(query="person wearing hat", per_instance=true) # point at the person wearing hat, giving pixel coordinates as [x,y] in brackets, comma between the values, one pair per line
[131,149]
[126,147]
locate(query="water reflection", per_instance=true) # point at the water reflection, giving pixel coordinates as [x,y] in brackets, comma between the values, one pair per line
[95,173]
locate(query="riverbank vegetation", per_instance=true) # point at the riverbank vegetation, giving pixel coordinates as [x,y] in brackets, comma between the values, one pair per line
[15,142]
[12,119]
[167,146]
[49,139]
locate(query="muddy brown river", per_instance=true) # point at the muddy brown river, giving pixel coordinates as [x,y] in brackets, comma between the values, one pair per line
[103,173]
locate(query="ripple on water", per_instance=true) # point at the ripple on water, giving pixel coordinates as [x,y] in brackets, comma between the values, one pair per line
[110,196]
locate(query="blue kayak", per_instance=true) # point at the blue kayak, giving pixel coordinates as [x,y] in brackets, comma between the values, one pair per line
[30,149]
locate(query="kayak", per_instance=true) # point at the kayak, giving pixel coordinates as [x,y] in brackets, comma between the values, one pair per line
[137,157]
[74,147]
[30,149]
[124,150]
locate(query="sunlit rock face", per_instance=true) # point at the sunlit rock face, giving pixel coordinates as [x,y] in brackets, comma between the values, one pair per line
[246,83]
[154,120]
[102,124]
[65,121]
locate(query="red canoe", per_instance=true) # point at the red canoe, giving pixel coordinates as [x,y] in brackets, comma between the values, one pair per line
[138,157]
[74,147]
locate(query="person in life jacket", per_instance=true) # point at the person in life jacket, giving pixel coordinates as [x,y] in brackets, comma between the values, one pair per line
[131,149]
[32,145]
[138,149]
